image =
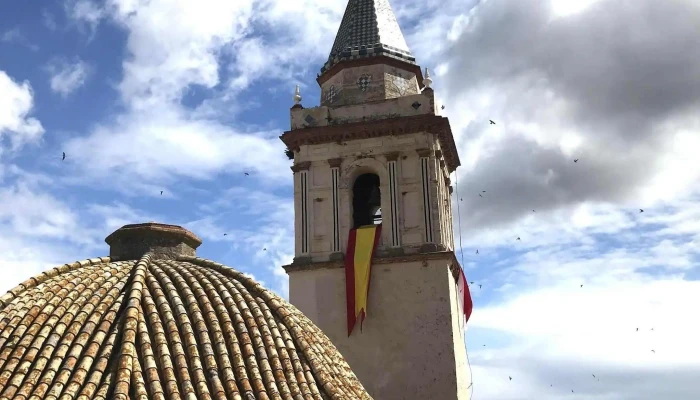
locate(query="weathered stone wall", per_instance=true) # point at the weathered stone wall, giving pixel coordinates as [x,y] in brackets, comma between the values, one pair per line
[411,345]
[367,84]
[371,156]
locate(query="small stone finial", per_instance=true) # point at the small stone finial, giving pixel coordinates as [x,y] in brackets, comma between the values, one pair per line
[168,242]
[297,96]
[427,81]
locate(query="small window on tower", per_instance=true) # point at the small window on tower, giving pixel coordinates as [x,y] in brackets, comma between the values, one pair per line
[366,201]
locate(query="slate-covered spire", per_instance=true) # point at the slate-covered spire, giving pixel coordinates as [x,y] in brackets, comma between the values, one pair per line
[368,29]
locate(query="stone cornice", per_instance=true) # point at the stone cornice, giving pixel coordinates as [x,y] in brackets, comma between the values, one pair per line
[424,152]
[448,255]
[302,166]
[335,162]
[362,62]
[392,155]
[434,124]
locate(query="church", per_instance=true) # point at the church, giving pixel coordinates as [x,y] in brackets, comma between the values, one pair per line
[375,308]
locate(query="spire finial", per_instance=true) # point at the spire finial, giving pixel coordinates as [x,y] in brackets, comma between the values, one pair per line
[297,96]
[427,81]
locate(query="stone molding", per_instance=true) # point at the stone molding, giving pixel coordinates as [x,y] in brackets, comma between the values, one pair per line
[391,258]
[392,155]
[424,152]
[429,123]
[363,62]
[335,162]
[301,166]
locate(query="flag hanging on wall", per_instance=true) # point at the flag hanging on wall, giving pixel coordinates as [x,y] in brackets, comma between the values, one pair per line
[465,297]
[358,261]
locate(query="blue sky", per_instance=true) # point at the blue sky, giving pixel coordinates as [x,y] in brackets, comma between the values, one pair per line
[145,96]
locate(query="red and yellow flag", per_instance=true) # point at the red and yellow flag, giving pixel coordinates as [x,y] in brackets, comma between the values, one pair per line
[358,261]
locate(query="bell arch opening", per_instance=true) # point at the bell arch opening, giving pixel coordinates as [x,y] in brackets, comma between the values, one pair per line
[366,201]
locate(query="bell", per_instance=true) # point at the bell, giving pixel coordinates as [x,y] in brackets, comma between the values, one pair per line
[375,197]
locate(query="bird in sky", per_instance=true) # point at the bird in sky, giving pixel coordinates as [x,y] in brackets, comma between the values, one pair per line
[492,123]
[641,211]
[479,286]
[64,156]
[653,351]
[477,251]
[161,192]
[518,238]
[581,285]
[225,234]
[442,107]
[264,248]
[637,329]
[510,379]
[533,210]
[594,376]
[483,191]
[480,195]
[576,160]
[246,174]
[471,283]
[460,199]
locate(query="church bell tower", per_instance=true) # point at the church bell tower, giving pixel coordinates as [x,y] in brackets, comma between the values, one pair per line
[376,150]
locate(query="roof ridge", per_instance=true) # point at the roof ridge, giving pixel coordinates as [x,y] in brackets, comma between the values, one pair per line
[128,358]
[44,276]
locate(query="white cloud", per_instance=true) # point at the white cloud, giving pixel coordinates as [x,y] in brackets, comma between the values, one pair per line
[49,20]
[14,35]
[166,57]
[67,76]
[16,104]
[86,13]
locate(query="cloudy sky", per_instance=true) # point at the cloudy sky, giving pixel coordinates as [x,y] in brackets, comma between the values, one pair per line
[185,97]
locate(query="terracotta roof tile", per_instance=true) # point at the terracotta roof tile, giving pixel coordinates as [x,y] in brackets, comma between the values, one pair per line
[162,329]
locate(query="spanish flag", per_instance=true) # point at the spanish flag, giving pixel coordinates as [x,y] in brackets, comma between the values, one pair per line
[464,296]
[358,259]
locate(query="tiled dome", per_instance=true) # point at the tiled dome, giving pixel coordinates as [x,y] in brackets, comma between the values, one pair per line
[164,325]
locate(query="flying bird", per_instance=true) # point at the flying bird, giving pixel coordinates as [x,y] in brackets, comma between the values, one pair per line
[581,285]
[492,123]
[225,234]
[594,376]
[653,351]
[518,238]
[161,192]
[471,283]
[264,248]
[576,160]
[460,199]
[246,174]
[442,107]
[477,251]
[479,286]
[510,379]
[641,211]
[480,195]
[64,156]
[637,329]
[483,191]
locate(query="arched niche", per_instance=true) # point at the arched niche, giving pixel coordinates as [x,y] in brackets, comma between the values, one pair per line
[350,173]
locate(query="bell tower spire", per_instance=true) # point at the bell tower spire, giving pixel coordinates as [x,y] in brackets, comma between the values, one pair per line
[377,151]
[369,60]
